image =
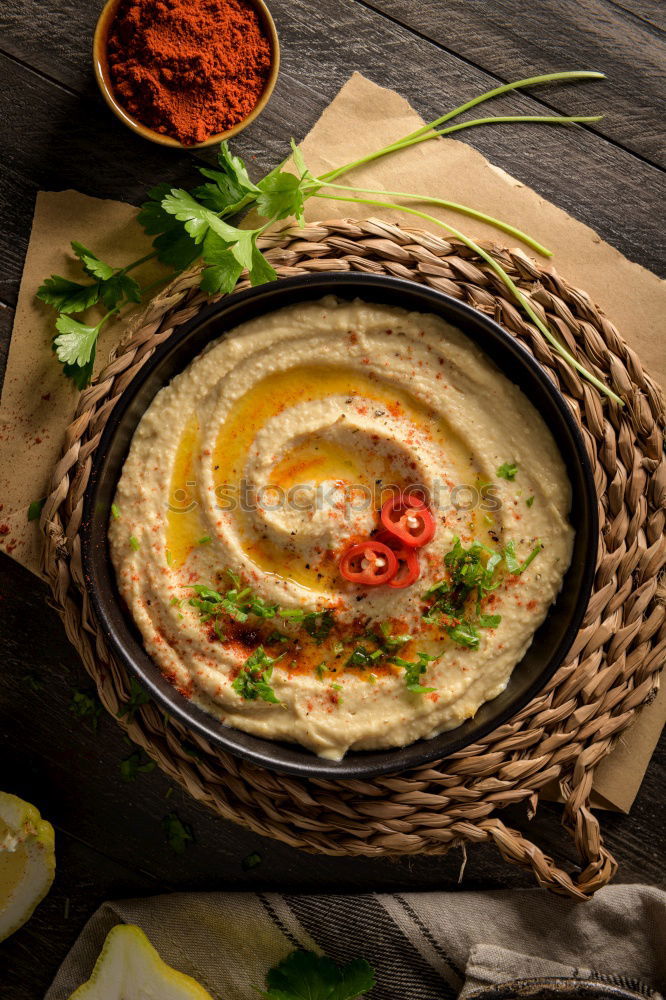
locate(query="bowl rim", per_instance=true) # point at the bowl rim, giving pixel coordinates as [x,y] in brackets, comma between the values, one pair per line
[263,751]
[103,78]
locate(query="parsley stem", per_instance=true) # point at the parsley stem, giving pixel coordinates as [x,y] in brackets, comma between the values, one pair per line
[426,131]
[414,140]
[155,284]
[531,81]
[499,270]
[137,263]
[464,209]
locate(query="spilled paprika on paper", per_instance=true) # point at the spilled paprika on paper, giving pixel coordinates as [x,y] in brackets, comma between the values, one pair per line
[188,68]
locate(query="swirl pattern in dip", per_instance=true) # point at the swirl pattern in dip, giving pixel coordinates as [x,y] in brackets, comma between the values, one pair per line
[254,469]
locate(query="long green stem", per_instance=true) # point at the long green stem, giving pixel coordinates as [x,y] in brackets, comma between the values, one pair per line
[531,81]
[488,95]
[499,270]
[456,207]
[137,263]
[413,140]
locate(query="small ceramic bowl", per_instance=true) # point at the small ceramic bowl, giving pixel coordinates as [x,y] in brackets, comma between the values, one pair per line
[105,85]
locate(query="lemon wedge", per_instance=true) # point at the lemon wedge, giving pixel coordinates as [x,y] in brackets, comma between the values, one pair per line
[129,968]
[27,861]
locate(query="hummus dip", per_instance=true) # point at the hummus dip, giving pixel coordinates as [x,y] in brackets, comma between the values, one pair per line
[254,470]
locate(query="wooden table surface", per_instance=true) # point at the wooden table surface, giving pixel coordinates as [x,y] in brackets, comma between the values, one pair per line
[57,133]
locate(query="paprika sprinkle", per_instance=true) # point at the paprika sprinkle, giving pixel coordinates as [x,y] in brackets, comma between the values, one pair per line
[188,68]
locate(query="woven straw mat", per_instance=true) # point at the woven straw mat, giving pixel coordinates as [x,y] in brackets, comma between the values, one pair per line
[563,733]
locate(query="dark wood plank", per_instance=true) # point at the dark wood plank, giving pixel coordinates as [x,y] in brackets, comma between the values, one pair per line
[653,12]
[514,39]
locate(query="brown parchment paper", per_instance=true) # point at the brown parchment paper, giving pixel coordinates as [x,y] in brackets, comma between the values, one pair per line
[37,403]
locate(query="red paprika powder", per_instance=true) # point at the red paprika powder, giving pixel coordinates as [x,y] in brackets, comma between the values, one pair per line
[188,68]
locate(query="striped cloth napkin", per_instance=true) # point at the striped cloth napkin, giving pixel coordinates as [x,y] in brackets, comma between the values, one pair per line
[422,946]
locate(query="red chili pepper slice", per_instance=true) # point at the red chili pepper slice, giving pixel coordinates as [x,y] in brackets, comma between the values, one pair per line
[369,563]
[409,519]
[409,569]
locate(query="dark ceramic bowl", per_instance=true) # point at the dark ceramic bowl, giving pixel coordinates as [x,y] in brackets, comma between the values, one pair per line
[553,638]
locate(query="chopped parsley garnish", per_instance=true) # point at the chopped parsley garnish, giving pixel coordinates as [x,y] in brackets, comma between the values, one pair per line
[512,564]
[507,471]
[392,642]
[320,670]
[276,636]
[362,657]
[472,576]
[318,624]
[135,764]
[254,677]
[85,706]
[414,670]
[204,540]
[178,834]
[134,542]
[251,861]
[529,501]
[115,511]
[336,687]
[489,621]
[137,698]
[35,509]
[465,634]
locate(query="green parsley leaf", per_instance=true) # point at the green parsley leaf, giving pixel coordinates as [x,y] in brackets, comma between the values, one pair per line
[86,706]
[507,471]
[362,657]
[137,697]
[280,194]
[465,634]
[133,765]
[529,501]
[253,680]
[413,671]
[320,670]
[251,861]
[204,540]
[489,621]
[306,976]
[234,167]
[223,271]
[514,566]
[91,263]
[115,511]
[174,246]
[187,209]
[35,509]
[119,289]
[134,543]
[75,345]
[318,625]
[391,642]
[33,682]
[178,834]
[68,296]
[261,271]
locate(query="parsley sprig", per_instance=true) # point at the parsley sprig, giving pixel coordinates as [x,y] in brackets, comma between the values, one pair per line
[188,225]
[302,975]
